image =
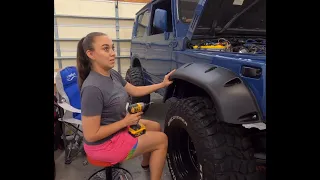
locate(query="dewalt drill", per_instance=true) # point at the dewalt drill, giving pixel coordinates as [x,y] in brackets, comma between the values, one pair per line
[137,129]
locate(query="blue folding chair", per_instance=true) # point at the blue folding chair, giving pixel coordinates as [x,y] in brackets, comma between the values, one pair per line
[68,95]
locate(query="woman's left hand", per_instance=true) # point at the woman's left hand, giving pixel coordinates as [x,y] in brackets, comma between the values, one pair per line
[166,82]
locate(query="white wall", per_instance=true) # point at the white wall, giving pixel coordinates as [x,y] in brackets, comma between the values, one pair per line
[72,29]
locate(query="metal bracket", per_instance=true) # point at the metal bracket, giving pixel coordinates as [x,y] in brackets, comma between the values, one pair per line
[173,44]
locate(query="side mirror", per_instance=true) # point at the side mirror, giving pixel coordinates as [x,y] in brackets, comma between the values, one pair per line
[160,19]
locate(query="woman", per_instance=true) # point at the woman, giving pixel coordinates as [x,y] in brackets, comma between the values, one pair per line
[104,96]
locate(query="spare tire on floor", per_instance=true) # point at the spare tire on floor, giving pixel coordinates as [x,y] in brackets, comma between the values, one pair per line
[202,148]
[134,76]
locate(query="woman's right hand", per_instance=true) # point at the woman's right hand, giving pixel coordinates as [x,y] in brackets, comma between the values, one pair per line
[132,119]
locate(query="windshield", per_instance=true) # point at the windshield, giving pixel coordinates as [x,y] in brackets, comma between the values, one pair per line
[186,9]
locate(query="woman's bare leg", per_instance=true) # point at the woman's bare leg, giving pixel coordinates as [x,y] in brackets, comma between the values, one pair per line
[156,143]
[150,126]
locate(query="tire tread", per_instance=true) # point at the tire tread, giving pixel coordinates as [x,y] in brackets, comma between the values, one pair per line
[135,77]
[226,152]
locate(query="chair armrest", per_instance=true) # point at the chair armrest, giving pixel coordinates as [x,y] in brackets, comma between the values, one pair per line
[68,107]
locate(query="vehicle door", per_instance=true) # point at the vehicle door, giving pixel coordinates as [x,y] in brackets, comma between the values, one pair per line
[160,41]
[139,34]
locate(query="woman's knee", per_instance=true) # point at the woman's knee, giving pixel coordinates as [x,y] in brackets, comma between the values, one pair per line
[164,140]
[150,142]
[157,126]
[161,140]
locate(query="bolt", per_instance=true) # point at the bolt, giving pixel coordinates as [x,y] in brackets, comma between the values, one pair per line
[85,162]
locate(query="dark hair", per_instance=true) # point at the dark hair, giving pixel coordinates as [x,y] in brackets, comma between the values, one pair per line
[83,61]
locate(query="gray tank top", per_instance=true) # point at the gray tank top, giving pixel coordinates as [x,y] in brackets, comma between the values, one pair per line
[105,96]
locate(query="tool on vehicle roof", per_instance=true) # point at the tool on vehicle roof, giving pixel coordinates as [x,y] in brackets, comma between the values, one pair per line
[138,129]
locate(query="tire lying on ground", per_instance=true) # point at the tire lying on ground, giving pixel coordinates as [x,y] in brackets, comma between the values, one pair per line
[195,136]
[134,76]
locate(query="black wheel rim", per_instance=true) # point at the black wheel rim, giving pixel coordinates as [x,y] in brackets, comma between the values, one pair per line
[193,154]
[182,154]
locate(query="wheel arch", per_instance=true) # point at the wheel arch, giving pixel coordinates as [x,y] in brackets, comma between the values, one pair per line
[233,100]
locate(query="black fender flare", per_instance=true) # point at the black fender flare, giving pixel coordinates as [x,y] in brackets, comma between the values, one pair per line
[233,100]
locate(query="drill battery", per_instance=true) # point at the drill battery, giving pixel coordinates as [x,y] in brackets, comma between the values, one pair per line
[137,130]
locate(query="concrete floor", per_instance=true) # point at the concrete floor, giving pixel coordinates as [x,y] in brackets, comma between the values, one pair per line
[77,171]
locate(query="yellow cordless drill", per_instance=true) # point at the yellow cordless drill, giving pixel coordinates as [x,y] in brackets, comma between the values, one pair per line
[137,129]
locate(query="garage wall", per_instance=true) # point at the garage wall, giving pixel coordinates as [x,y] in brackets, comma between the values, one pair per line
[76,18]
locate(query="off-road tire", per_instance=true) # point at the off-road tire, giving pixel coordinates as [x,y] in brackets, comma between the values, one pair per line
[135,77]
[222,151]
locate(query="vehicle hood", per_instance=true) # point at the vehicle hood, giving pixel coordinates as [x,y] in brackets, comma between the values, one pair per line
[228,17]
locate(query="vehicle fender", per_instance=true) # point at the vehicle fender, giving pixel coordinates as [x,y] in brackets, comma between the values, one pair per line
[233,100]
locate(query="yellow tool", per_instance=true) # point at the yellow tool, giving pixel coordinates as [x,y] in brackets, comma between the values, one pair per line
[214,47]
[138,129]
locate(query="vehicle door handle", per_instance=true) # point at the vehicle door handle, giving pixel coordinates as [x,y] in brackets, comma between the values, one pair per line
[173,44]
[148,45]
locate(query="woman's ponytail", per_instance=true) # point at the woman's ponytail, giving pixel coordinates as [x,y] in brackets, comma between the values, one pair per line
[83,63]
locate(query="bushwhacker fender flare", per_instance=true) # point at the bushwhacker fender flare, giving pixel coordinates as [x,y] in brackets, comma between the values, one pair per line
[233,101]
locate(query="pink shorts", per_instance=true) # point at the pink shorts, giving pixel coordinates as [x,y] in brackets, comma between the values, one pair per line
[119,148]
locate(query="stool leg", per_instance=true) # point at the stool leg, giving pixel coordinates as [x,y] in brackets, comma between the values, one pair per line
[108,173]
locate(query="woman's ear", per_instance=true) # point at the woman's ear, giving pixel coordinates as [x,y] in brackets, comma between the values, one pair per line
[90,54]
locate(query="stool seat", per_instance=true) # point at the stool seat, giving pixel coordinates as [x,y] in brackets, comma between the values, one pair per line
[98,163]
[110,170]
